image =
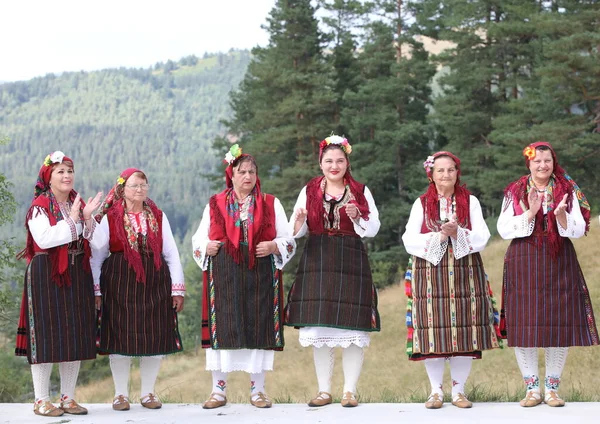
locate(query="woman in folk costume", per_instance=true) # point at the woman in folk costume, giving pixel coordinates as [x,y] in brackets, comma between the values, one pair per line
[546,302]
[139,286]
[58,318]
[333,299]
[451,314]
[242,244]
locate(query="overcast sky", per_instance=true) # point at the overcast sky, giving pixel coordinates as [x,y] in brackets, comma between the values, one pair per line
[43,36]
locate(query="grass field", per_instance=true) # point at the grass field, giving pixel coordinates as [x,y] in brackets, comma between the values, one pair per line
[387,374]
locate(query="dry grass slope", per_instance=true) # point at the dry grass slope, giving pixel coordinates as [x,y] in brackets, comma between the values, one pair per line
[387,374]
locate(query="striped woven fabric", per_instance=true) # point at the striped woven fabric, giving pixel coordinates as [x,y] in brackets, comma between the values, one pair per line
[546,301]
[333,286]
[61,321]
[244,304]
[138,319]
[451,310]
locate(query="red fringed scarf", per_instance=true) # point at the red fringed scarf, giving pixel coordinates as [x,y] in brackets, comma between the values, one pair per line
[227,227]
[59,255]
[131,248]
[314,201]
[431,210]
[560,183]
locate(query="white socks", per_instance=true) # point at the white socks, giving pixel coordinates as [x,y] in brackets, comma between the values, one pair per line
[527,358]
[324,360]
[219,387]
[120,366]
[435,372]
[68,378]
[460,368]
[257,384]
[556,357]
[149,367]
[352,361]
[40,374]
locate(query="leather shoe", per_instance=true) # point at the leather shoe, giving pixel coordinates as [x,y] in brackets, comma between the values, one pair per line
[322,399]
[46,409]
[121,403]
[349,400]
[150,401]
[461,401]
[552,399]
[71,407]
[261,401]
[531,399]
[434,401]
[214,402]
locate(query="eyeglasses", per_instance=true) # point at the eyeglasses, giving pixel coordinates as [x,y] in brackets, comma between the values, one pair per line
[135,187]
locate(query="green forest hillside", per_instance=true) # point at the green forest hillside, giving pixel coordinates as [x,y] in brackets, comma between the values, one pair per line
[162,120]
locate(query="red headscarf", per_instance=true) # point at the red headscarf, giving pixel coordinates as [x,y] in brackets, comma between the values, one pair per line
[115,207]
[43,197]
[560,184]
[430,198]
[228,216]
[314,196]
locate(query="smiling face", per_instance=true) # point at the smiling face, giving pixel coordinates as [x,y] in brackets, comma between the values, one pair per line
[244,177]
[62,179]
[541,166]
[334,164]
[444,174]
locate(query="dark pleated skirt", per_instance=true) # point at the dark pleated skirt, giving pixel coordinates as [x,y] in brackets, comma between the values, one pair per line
[138,319]
[451,310]
[244,304]
[60,321]
[546,301]
[333,286]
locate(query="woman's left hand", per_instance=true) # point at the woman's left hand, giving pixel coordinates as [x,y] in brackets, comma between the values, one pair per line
[352,211]
[450,228]
[561,210]
[178,303]
[265,248]
[91,205]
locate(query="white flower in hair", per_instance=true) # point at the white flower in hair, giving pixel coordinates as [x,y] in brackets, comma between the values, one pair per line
[229,158]
[335,139]
[57,157]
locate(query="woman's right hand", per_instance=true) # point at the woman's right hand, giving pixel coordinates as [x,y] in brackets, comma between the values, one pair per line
[535,202]
[301,214]
[212,248]
[74,214]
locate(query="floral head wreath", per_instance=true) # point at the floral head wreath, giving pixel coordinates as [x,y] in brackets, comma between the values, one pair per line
[428,164]
[43,181]
[337,140]
[234,152]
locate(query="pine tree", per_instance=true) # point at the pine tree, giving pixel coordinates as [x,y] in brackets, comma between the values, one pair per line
[286,103]
[386,115]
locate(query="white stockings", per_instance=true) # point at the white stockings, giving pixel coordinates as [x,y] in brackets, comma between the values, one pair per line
[352,361]
[460,368]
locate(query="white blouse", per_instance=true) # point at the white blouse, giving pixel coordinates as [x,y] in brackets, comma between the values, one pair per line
[361,227]
[429,246]
[169,252]
[284,240]
[512,226]
[47,236]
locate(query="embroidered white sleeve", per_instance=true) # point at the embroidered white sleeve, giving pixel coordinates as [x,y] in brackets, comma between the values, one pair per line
[200,240]
[284,239]
[171,255]
[371,227]
[100,251]
[510,226]
[575,221]
[434,248]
